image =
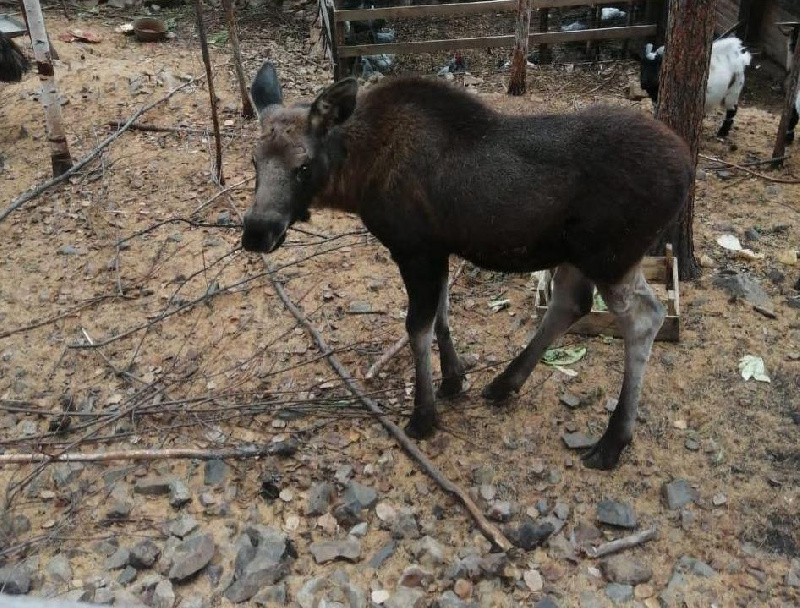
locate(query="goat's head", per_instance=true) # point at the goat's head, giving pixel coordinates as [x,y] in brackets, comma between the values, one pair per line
[291,158]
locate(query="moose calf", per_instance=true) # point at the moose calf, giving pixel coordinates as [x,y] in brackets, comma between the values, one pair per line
[433,172]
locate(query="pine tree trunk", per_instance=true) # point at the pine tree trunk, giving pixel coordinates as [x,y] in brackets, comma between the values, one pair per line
[519,61]
[681,105]
[788,106]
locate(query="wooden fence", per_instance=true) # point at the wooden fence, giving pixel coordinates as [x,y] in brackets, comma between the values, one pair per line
[334,18]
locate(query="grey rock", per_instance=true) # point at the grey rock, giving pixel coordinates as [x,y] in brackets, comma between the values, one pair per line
[214,573]
[119,559]
[152,486]
[59,569]
[163,595]
[348,514]
[183,526]
[613,513]
[103,596]
[272,595]
[245,553]
[343,473]
[619,594]
[428,551]
[415,576]
[626,570]
[546,602]
[364,496]
[449,600]
[127,576]
[331,550]
[578,441]
[320,496]
[307,595]
[528,536]
[793,576]
[590,600]
[68,250]
[193,601]
[382,554]
[561,510]
[144,554]
[674,592]
[562,548]
[500,511]
[179,494]
[359,530]
[691,565]
[214,472]
[119,510]
[360,307]
[20,524]
[106,547]
[493,564]
[678,493]
[741,285]
[261,535]
[14,580]
[64,473]
[406,526]
[191,556]
[406,597]
[570,400]
[483,475]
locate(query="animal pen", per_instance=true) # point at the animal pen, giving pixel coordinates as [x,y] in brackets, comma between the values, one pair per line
[642,19]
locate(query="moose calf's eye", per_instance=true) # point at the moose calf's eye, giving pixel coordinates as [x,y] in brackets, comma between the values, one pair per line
[301,172]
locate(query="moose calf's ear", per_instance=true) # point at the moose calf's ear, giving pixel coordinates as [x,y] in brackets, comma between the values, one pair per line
[266,89]
[333,106]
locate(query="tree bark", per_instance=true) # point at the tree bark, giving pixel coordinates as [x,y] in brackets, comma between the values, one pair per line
[779,152]
[519,61]
[247,105]
[681,105]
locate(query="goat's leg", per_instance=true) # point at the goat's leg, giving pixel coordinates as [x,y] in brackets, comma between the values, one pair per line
[452,371]
[423,277]
[793,120]
[727,123]
[572,299]
[639,315]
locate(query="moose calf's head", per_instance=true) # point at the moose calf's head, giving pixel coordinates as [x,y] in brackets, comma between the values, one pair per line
[291,158]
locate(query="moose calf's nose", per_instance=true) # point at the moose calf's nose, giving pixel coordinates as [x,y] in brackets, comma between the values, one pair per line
[260,234]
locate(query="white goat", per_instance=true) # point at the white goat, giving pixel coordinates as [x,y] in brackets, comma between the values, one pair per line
[725,77]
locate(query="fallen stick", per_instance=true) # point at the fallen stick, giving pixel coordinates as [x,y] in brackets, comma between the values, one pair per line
[400,344]
[489,530]
[779,180]
[157,129]
[32,194]
[623,543]
[284,448]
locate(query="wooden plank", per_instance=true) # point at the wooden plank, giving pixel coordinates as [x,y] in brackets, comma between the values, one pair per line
[537,4]
[434,46]
[598,323]
[427,10]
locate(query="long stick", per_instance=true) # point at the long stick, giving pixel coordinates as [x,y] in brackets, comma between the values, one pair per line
[247,105]
[491,531]
[623,543]
[779,180]
[175,453]
[30,195]
[201,32]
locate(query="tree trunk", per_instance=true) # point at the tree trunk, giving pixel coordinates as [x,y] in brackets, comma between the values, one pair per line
[788,107]
[59,149]
[681,105]
[247,105]
[519,61]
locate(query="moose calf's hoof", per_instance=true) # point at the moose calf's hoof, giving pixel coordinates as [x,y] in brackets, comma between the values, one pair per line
[603,455]
[421,425]
[496,390]
[449,388]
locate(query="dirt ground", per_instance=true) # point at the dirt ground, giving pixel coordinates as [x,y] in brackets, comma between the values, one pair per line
[125,300]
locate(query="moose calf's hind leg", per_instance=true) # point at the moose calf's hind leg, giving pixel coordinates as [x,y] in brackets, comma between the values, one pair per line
[572,299]
[639,315]
[452,370]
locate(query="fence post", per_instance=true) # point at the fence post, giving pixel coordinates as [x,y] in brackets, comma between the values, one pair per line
[545,53]
[519,60]
[340,69]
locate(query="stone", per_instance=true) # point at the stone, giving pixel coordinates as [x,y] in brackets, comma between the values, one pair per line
[379,596]
[118,559]
[578,441]
[268,567]
[406,526]
[163,595]
[613,513]
[500,511]
[546,602]
[183,526]
[382,554]
[590,600]
[68,250]
[528,536]
[119,510]
[152,486]
[64,473]
[331,550]
[428,551]
[719,499]
[625,570]
[493,565]
[406,597]
[462,588]
[487,491]
[319,499]
[364,496]
[343,473]
[674,592]
[678,493]
[245,553]
[415,576]
[449,600]
[59,569]
[570,400]
[360,307]
[179,494]
[793,576]
[347,515]
[103,596]
[742,285]
[191,556]
[15,580]
[271,595]
[386,512]
[359,530]
[144,554]
[561,510]
[691,565]
[483,475]
[619,594]
[127,576]
[533,580]
[215,472]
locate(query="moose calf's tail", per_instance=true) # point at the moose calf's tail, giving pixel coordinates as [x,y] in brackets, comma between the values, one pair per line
[13,63]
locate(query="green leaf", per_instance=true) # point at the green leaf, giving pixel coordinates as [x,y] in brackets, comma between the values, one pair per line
[599,304]
[219,38]
[563,356]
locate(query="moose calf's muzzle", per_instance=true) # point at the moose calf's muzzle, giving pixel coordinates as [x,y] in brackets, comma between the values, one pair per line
[263,234]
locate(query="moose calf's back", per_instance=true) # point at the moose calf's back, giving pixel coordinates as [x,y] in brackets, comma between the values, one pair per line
[431,167]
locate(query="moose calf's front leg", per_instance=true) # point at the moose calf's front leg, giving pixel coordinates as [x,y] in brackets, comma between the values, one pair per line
[452,370]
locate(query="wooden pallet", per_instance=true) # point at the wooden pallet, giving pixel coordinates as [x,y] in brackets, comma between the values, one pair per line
[662,275]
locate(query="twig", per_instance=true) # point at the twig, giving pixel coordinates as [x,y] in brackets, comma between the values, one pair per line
[157,129]
[491,531]
[247,105]
[398,346]
[30,195]
[220,193]
[751,163]
[284,448]
[201,32]
[779,180]
[623,543]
